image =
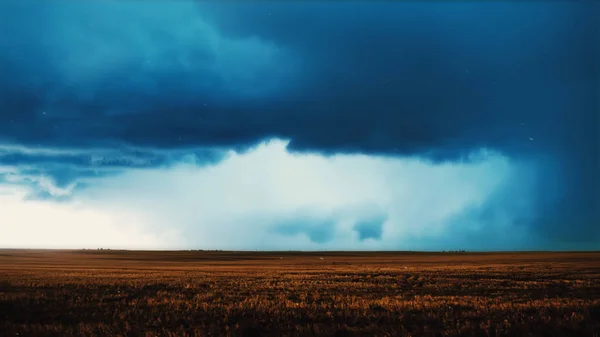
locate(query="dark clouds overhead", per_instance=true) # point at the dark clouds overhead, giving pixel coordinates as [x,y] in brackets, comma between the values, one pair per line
[430,79]
[67,166]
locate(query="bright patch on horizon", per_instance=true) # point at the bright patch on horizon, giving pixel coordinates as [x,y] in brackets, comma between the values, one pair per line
[266,198]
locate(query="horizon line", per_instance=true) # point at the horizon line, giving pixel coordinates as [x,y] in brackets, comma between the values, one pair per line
[300,251]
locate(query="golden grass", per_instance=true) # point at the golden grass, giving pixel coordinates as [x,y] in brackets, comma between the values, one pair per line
[122,293]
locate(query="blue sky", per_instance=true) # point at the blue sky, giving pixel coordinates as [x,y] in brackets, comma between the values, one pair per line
[300,125]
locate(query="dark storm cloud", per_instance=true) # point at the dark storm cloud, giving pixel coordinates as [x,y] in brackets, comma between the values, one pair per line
[430,79]
[317,229]
[321,228]
[65,167]
[371,228]
[106,158]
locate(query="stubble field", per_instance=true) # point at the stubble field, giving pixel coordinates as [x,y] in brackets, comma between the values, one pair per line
[133,293]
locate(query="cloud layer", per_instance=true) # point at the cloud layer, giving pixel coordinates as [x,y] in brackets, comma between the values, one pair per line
[269,198]
[97,92]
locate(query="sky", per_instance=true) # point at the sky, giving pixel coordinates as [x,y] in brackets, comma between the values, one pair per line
[310,125]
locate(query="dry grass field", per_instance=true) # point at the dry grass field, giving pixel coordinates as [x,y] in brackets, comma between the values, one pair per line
[133,293]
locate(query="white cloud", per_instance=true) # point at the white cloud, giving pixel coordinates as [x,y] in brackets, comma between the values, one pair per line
[238,203]
[38,224]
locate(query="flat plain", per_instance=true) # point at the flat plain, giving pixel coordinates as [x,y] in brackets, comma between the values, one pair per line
[208,293]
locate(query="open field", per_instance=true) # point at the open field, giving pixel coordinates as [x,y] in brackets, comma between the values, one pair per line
[132,293]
